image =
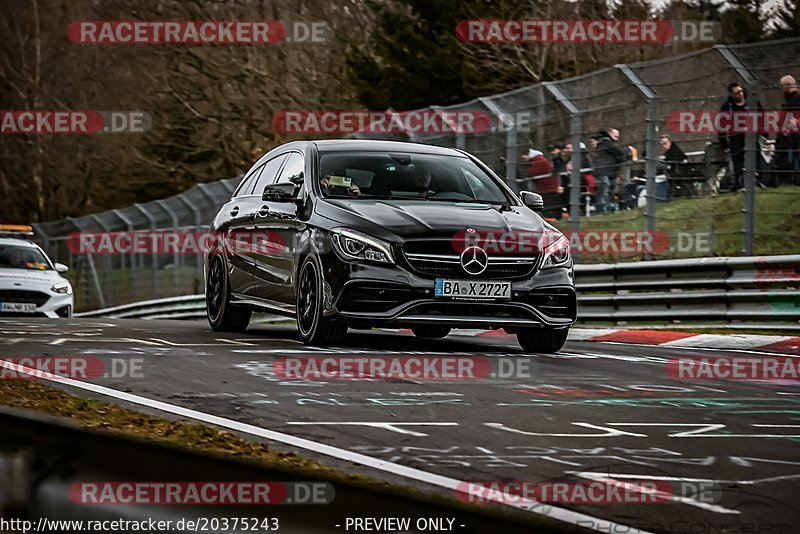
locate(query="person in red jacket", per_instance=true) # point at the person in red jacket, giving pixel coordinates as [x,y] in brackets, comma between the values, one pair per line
[540,171]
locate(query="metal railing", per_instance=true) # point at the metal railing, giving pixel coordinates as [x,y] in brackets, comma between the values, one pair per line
[761,290]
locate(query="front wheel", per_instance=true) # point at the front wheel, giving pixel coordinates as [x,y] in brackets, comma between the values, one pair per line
[222,315]
[432,332]
[543,340]
[314,328]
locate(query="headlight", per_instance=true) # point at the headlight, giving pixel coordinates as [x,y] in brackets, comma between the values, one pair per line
[354,245]
[62,287]
[557,254]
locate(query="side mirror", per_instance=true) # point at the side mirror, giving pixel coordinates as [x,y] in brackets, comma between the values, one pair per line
[283,192]
[61,268]
[532,200]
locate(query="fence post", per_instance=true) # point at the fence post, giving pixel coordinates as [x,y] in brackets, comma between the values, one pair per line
[135,281]
[576,127]
[153,257]
[750,149]
[651,147]
[197,227]
[511,141]
[750,154]
[176,275]
[88,261]
[109,263]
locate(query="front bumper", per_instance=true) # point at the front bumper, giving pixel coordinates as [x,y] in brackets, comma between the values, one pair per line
[56,305]
[366,295]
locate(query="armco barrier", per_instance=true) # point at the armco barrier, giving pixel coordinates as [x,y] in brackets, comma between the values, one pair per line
[763,290]
[42,457]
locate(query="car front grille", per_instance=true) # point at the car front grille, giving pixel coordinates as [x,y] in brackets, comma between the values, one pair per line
[23,296]
[437,258]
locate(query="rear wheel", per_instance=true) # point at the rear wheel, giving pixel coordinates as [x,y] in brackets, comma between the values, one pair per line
[544,340]
[222,315]
[313,327]
[434,332]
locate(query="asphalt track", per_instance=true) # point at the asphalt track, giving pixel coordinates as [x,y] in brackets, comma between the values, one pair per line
[596,411]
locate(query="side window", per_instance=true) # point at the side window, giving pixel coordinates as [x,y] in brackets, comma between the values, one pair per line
[293,172]
[268,175]
[247,183]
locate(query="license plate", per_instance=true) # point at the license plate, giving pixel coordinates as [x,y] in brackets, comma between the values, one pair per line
[23,307]
[473,289]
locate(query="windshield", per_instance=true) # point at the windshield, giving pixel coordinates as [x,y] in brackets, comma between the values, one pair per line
[406,176]
[22,257]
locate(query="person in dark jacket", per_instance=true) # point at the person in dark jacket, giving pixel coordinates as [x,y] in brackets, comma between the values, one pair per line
[607,160]
[558,200]
[673,166]
[733,144]
[787,144]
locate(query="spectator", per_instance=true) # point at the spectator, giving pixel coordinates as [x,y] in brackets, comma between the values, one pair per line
[787,144]
[765,167]
[673,166]
[561,199]
[673,155]
[587,179]
[607,160]
[733,144]
[540,170]
[557,159]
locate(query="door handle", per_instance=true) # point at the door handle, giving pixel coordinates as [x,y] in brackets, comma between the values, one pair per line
[263,212]
[235,211]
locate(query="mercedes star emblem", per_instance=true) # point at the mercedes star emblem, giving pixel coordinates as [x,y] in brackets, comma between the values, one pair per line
[474,260]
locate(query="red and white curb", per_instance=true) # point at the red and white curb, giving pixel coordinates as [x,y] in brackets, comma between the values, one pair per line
[669,338]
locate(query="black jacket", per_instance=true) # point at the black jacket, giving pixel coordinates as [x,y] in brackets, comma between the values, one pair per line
[734,142]
[608,157]
[786,143]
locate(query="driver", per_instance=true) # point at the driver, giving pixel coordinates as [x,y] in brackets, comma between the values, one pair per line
[420,181]
[339,185]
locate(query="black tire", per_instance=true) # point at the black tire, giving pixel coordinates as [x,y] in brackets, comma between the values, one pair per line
[312,326]
[431,331]
[222,315]
[542,340]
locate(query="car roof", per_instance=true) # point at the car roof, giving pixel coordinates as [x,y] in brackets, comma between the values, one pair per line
[17,241]
[333,145]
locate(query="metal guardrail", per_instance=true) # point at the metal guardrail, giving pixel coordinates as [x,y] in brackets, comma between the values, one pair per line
[43,457]
[761,289]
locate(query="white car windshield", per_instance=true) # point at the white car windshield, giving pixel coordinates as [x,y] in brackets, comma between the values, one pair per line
[22,257]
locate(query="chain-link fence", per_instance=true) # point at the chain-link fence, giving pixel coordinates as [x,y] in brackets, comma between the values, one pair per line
[689,201]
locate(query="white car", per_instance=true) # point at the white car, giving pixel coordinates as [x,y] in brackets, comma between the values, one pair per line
[30,284]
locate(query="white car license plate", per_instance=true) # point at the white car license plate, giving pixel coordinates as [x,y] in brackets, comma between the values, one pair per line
[23,307]
[473,289]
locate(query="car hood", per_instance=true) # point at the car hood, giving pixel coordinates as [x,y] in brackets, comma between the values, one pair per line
[418,218]
[27,278]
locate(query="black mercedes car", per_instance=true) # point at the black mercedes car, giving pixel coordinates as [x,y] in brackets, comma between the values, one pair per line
[359,234]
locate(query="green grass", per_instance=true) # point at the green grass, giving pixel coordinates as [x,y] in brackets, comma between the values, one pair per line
[721,217]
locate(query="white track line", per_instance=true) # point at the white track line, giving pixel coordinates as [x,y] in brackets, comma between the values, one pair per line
[559,514]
